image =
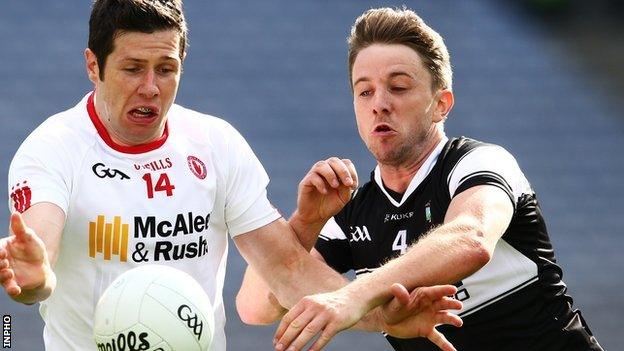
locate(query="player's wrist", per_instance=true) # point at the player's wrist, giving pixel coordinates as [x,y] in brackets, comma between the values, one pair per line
[306,228]
[371,322]
[379,319]
[364,302]
[308,219]
[37,291]
[367,292]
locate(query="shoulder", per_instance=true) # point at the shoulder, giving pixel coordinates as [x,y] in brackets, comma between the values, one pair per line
[196,124]
[47,159]
[207,131]
[474,154]
[473,162]
[66,132]
[457,148]
[479,151]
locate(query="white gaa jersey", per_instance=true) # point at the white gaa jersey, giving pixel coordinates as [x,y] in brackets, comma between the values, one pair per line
[170,202]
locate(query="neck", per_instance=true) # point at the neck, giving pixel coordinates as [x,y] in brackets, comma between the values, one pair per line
[398,177]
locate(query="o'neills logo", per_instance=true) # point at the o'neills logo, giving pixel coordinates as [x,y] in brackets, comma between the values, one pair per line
[112,239]
[197,167]
[155,165]
[130,341]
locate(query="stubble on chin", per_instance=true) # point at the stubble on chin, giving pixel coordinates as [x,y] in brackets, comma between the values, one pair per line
[402,154]
[391,156]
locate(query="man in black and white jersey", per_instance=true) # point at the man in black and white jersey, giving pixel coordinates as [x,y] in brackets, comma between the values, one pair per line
[436,210]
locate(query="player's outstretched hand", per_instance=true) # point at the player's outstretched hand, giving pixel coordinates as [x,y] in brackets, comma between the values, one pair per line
[323,314]
[415,314]
[325,190]
[24,264]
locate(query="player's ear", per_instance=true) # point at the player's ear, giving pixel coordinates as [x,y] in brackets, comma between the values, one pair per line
[444,104]
[93,69]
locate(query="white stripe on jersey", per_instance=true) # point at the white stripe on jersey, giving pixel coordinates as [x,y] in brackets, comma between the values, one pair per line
[508,271]
[331,231]
[489,159]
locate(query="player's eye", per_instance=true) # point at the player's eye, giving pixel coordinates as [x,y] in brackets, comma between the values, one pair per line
[165,70]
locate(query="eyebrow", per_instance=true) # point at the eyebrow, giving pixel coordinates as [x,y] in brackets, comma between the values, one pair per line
[137,60]
[401,73]
[391,75]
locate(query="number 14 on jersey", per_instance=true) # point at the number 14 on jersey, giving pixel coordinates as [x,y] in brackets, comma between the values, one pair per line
[162,184]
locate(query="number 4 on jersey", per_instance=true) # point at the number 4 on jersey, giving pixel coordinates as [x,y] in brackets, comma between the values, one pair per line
[163,184]
[400,242]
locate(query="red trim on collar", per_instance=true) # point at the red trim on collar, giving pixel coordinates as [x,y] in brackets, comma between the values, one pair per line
[136,149]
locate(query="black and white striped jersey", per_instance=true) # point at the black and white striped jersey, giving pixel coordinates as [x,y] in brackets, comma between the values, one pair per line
[515,302]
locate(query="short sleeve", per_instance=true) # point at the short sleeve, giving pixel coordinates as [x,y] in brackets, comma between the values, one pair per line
[246,204]
[489,165]
[333,245]
[40,172]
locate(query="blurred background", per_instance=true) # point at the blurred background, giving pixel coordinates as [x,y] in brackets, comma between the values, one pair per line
[543,78]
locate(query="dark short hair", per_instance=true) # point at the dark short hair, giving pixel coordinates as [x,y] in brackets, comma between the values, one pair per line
[110,18]
[405,27]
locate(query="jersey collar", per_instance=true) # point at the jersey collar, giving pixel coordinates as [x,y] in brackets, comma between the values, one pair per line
[136,149]
[418,178]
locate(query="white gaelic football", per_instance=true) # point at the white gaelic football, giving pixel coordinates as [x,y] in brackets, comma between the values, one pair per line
[153,308]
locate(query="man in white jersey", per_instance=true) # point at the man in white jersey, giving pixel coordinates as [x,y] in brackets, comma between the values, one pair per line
[126,177]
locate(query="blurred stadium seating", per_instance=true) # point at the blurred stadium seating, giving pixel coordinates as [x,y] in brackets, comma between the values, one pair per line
[546,85]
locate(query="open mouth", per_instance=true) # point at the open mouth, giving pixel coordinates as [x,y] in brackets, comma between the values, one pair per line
[143,113]
[383,128]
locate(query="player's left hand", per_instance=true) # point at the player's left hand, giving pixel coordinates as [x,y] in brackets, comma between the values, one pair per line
[416,314]
[323,314]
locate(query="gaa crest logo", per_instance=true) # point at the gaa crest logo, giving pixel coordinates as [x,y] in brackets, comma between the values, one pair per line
[197,167]
[359,233]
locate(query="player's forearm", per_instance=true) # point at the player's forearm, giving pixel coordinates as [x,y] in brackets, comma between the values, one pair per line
[290,272]
[445,256]
[475,221]
[255,303]
[302,276]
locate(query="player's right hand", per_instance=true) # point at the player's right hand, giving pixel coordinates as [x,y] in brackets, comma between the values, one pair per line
[325,190]
[24,264]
